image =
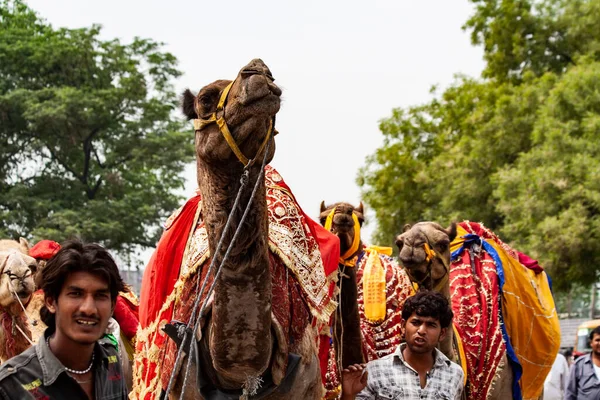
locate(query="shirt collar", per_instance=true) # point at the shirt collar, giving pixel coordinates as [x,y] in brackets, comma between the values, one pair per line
[440,361]
[52,367]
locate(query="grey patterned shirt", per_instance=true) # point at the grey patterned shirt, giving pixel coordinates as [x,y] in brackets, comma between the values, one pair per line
[37,374]
[583,382]
[391,377]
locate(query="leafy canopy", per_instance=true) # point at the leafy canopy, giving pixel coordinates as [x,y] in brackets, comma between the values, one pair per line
[517,149]
[89,145]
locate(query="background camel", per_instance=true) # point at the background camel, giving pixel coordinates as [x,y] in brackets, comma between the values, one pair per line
[16,287]
[378,338]
[481,308]
[239,343]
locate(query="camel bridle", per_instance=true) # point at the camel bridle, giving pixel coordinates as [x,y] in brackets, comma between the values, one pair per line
[347,259]
[218,117]
[432,254]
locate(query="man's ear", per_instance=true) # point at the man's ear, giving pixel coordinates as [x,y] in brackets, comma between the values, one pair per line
[443,334]
[50,304]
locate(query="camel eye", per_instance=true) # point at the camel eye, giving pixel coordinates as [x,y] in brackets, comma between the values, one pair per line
[205,101]
[443,246]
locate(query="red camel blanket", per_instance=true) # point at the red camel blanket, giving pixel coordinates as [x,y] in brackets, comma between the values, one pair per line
[303,266]
[475,293]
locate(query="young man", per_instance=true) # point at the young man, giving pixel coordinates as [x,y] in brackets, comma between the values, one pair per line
[80,285]
[584,380]
[417,369]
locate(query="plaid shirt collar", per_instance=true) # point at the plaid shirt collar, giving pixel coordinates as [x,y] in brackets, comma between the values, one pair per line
[440,360]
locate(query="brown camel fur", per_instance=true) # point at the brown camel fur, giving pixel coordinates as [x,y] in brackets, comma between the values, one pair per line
[347,333]
[16,286]
[238,341]
[434,275]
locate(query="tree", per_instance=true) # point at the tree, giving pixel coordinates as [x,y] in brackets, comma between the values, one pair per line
[550,196]
[516,149]
[89,145]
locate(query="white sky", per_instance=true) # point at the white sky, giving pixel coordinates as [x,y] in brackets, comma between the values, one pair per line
[342,65]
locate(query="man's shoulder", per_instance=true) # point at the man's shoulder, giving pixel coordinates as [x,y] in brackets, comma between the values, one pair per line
[108,346]
[26,359]
[581,360]
[455,369]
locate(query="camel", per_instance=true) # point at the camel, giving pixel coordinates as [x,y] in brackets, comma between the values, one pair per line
[238,342]
[425,253]
[378,338]
[16,288]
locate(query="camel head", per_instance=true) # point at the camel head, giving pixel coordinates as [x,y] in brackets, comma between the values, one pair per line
[16,278]
[22,245]
[247,109]
[344,219]
[424,251]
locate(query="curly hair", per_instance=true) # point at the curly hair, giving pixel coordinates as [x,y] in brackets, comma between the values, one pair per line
[429,304]
[75,256]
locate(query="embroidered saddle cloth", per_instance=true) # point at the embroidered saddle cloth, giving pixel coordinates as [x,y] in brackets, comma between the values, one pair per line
[303,261]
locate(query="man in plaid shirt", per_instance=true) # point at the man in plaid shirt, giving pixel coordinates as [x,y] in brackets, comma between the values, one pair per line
[417,369]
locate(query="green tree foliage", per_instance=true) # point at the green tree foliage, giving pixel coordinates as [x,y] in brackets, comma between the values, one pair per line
[89,145]
[517,149]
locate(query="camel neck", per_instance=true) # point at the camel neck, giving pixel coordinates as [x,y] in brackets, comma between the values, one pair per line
[446,345]
[240,342]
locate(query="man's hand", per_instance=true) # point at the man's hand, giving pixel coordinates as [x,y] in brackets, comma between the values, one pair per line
[354,379]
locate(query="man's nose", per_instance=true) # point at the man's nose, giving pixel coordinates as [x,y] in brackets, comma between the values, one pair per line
[422,329]
[88,306]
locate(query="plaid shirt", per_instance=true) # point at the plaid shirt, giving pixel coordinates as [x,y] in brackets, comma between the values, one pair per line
[391,377]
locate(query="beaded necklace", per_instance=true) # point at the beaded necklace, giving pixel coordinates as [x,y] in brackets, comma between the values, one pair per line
[74,371]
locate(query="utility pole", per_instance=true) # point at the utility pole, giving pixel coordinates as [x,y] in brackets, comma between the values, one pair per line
[593,301]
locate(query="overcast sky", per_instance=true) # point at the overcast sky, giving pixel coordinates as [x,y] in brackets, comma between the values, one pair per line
[342,65]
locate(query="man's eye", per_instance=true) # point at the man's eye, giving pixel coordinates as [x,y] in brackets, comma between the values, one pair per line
[75,294]
[102,296]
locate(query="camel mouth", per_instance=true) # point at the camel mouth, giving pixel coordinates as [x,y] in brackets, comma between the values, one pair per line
[257,87]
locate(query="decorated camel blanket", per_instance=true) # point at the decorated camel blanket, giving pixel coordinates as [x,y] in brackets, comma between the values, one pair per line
[381,338]
[304,269]
[501,307]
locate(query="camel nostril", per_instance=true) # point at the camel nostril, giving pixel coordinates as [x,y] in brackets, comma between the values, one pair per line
[399,243]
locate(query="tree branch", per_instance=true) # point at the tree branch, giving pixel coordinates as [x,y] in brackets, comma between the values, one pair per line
[119,162]
[65,166]
[87,154]
[98,158]
[92,192]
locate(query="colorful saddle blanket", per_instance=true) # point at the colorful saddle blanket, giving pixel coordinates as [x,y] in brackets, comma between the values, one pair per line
[303,267]
[381,339]
[501,307]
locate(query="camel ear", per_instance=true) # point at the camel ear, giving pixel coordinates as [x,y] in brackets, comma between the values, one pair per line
[451,231]
[360,208]
[3,260]
[406,227]
[24,245]
[323,208]
[187,104]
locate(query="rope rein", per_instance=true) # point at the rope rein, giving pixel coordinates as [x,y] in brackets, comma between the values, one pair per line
[195,316]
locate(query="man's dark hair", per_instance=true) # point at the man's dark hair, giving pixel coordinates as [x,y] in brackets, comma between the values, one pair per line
[595,331]
[429,304]
[75,256]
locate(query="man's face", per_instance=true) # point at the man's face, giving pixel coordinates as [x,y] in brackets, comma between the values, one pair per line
[423,333]
[83,307]
[595,344]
